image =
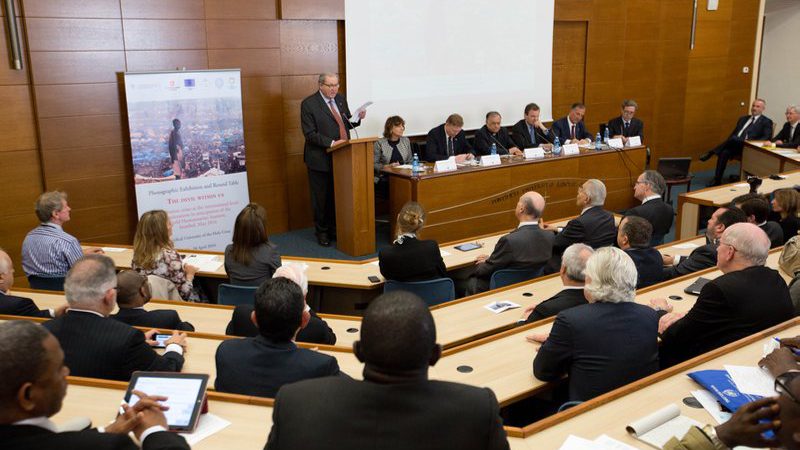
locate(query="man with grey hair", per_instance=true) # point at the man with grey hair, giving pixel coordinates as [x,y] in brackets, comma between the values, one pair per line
[100,347]
[611,341]
[326,121]
[789,136]
[494,133]
[649,189]
[625,125]
[18,306]
[745,300]
[573,267]
[48,251]
[526,247]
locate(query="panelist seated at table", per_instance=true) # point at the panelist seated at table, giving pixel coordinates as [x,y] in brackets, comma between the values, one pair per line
[649,189]
[610,342]
[571,129]
[494,134]
[785,205]
[756,209]
[393,148]
[251,258]
[526,247]
[33,384]
[396,406]
[745,300]
[530,131]
[789,136]
[446,140]
[634,238]
[261,365]
[19,306]
[97,346]
[409,258]
[133,292]
[704,256]
[626,125]
[573,277]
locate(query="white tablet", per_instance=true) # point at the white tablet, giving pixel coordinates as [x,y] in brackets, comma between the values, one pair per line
[185,393]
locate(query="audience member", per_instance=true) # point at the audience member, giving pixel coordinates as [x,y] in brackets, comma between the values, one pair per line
[649,189]
[18,306]
[33,384]
[625,125]
[133,292]
[634,238]
[789,136]
[756,210]
[99,347]
[785,203]
[610,342]
[494,133]
[529,132]
[746,299]
[446,140]
[573,276]
[526,247]
[409,258]
[154,253]
[396,406]
[571,129]
[251,259]
[261,365]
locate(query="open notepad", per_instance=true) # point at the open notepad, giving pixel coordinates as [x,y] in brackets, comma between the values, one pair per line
[659,427]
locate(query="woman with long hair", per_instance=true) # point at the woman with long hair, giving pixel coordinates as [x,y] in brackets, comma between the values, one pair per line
[786,203]
[411,259]
[251,258]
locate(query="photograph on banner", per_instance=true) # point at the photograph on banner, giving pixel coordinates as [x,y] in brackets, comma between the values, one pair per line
[187,146]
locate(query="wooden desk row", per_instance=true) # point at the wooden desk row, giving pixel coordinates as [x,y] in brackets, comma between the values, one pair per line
[759,160]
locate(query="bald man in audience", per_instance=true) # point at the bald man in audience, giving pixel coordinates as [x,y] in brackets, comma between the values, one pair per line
[33,384]
[97,346]
[19,306]
[527,247]
[396,406]
[746,299]
[133,292]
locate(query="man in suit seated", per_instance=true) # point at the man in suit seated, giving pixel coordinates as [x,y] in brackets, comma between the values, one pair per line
[527,247]
[133,292]
[625,125]
[316,331]
[649,189]
[99,347]
[746,299]
[261,365]
[396,406]
[571,129]
[494,133]
[446,140]
[704,256]
[530,132]
[595,226]
[634,238]
[610,342]
[33,384]
[756,127]
[756,209]
[573,277]
[789,136]
[19,306]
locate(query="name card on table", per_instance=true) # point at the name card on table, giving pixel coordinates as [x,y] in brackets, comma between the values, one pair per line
[571,149]
[490,160]
[534,153]
[446,165]
[615,143]
[634,141]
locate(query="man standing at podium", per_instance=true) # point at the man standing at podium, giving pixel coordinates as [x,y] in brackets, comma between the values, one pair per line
[326,121]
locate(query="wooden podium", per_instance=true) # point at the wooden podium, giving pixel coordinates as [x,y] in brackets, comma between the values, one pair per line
[354,188]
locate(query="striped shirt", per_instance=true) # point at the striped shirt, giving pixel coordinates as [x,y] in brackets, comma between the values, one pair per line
[48,251]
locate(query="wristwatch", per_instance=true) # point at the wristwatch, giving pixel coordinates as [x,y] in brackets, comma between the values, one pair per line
[711,433]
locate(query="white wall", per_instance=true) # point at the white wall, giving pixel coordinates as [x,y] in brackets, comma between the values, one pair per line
[779,76]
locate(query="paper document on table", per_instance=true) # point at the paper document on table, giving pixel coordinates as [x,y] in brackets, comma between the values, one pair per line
[661,426]
[206,263]
[711,405]
[444,253]
[752,380]
[685,246]
[357,112]
[578,443]
[498,307]
[207,425]
[375,263]
[403,166]
[610,443]
[113,249]
[741,185]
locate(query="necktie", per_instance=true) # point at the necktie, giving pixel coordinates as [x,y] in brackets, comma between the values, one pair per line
[746,126]
[791,132]
[449,146]
[533,134]
[338,119]
[572,135]
[625,132]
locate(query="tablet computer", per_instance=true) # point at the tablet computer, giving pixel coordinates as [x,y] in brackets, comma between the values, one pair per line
[468,247]
[184,391]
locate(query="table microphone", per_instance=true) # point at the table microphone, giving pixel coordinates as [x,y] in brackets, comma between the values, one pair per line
[498,143]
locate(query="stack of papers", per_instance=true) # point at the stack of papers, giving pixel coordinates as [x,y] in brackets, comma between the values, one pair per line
[207,425]
[206,263]
[601,443]
[661,426]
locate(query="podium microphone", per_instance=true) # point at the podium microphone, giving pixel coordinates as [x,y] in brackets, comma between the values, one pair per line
[347,120]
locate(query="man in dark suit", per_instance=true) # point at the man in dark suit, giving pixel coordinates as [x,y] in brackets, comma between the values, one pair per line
[757,210]
[789,136]
[649,189]
[18,306]
[606,344]
[326,122]
[446,140]
[571,129]
[316,330]
[396,406]
[99,347]
[704,256]
[625,125]
[530,132]
[573,277]
[494,133]
[746,299]
[261,365]
[133,292]
[756,127]
[33,384]
[634,239]
[527,247]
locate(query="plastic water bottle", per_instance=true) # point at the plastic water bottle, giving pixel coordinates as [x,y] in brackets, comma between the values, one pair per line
[415,169]
[598,145]
[605,136]
[494,148]
[557,146]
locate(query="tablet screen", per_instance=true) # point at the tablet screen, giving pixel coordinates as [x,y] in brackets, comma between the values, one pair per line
[184,395]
